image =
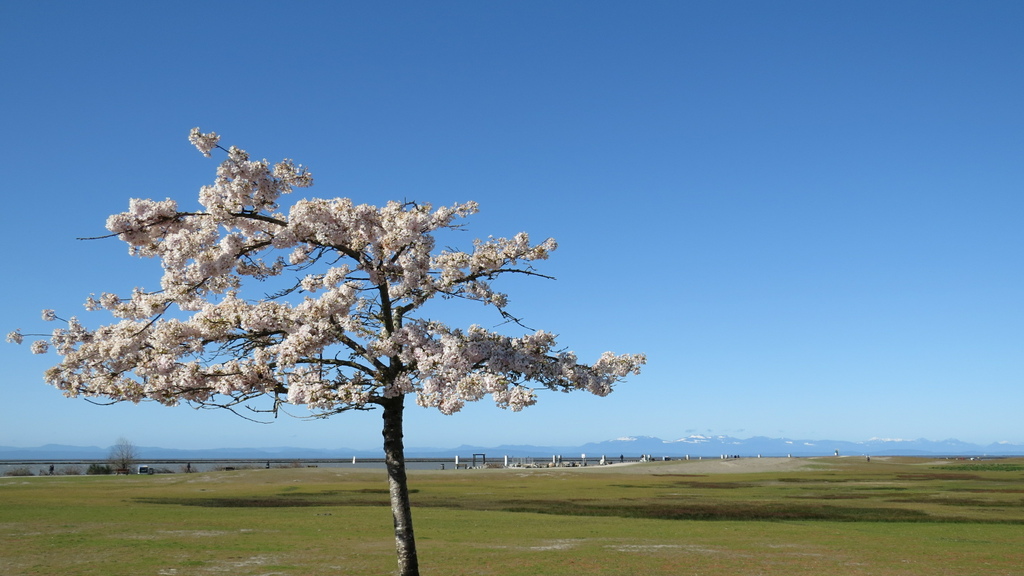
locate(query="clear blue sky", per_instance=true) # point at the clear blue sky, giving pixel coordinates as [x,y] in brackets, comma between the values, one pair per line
[807,214]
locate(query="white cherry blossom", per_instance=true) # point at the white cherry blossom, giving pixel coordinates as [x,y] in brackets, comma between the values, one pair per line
[318,303]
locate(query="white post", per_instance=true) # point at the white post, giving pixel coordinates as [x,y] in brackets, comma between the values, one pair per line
[506,460]
[353,459]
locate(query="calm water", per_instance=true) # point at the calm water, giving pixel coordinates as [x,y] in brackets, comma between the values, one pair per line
[64,467]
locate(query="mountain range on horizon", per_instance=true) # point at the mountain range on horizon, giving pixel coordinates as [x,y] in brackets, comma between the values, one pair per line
[695,446]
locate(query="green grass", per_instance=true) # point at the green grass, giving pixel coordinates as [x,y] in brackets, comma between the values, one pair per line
[838,516]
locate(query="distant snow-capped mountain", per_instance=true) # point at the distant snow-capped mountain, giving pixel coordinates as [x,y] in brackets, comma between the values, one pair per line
[697,445]
[707,445]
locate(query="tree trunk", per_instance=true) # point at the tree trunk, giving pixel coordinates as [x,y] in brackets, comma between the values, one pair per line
[394,455]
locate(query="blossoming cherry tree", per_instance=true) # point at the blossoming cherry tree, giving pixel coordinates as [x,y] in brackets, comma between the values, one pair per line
[345,328]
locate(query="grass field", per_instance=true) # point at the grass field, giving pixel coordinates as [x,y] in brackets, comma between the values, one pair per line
[843,516]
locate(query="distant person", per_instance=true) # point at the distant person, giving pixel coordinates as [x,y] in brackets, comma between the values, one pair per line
[51,469]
